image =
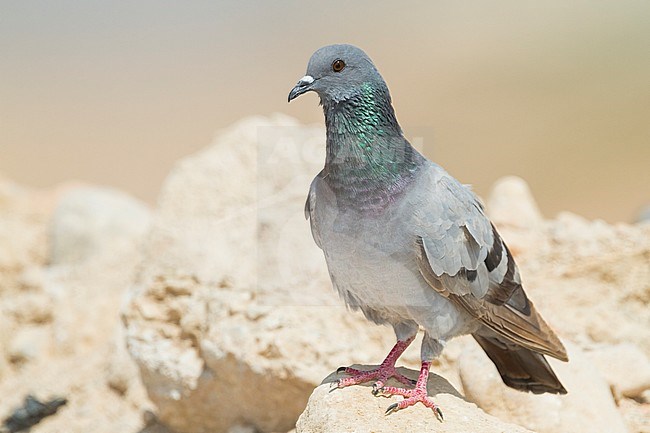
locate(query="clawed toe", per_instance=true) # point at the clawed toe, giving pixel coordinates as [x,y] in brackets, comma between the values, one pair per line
[411,397]
[380,375]
[391,408]
[410,401]
[377,389]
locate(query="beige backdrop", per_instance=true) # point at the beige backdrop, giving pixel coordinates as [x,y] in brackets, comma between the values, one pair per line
[114,92]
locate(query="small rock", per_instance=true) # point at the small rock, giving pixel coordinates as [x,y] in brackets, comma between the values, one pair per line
[31,413]
[512,204]
[588,407]
[355,409]
[625,367]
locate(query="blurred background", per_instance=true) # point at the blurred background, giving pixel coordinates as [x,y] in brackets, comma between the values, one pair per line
[114,92]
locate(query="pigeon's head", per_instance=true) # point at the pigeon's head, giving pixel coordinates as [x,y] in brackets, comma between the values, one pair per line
[337,73]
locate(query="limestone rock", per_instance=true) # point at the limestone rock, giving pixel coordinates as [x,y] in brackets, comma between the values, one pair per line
[625,367]
[544,413]
[355,409]
[511,203]
[233,320]
[91,221]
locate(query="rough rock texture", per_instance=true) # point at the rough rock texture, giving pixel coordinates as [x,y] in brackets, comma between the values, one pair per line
[587,407]
[625,367]
[233,321]
[354,409]
[59,323]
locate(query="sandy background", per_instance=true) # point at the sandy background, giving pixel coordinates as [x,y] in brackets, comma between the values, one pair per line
[114,92]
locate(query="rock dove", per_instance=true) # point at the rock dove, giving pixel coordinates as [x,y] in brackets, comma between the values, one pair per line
[408,244]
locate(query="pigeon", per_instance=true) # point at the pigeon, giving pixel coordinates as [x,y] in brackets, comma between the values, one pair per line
[409,245]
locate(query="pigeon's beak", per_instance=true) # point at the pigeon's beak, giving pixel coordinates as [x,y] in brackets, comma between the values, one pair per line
[303,86]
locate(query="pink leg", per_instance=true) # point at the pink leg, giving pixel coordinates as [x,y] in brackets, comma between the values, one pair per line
[412,396]
[381,374]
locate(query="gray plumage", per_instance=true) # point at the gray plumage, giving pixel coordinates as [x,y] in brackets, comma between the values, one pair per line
[408,244]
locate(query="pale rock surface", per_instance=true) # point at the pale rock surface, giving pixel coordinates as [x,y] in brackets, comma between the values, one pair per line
[636,414]
[589,279]
[587,407]
[625,367]
[233,303]
[28,344]
[232,314]
[233,319]
[600,273]
[591,282]
[355,409]
[122,374]
[23,236]
[513,210]
[89,221]
[511,203]
[58,322]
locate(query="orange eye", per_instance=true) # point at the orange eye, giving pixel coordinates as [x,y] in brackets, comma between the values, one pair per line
[338,65]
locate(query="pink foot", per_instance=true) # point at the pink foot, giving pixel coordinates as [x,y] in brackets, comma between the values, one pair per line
[412,396]
[381,374]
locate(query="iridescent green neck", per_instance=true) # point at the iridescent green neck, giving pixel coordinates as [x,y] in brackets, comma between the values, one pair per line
[368,158]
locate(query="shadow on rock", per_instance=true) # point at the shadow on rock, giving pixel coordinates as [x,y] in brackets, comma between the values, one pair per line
[354,408]
[436,385]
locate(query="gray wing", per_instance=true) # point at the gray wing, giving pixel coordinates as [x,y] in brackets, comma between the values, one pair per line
[461,255]
[310,215]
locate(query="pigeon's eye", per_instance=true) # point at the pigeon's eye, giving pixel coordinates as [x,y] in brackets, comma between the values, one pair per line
[338,65]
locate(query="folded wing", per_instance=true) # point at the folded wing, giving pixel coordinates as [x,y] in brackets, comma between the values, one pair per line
[461,255]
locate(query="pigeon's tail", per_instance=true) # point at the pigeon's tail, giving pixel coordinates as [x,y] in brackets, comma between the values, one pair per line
[520,368]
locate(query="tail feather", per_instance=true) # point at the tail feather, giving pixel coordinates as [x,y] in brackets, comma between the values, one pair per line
[520,368]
